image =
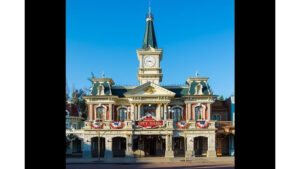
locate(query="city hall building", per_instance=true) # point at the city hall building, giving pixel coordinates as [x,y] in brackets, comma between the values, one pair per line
[149,119]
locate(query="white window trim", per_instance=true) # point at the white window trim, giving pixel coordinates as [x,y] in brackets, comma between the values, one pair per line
[104,112]
[177,106]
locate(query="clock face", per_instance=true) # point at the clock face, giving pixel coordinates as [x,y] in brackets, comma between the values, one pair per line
[149,61]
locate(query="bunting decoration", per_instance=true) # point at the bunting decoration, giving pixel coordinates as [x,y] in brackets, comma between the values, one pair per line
[117,125]
[202,124]
[96,125]
[182,125]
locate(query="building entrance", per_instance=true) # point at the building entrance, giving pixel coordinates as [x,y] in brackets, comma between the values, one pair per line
[200,146]
[150,145]
[94,146]
[178,146]
[118,146]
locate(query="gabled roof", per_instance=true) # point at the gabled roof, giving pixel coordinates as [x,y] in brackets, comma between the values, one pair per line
[149,89]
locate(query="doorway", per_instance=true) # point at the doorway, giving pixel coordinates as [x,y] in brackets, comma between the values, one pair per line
[118,146]
[94,146]
[200,146]
[178,146]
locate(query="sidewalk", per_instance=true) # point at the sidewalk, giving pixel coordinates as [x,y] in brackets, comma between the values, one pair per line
[124,160]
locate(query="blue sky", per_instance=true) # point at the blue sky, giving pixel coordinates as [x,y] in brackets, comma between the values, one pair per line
[196,35]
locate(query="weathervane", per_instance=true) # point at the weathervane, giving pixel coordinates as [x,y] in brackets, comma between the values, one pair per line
[196,73]
[102,75]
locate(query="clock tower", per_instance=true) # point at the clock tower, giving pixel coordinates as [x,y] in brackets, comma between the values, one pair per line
[149,56]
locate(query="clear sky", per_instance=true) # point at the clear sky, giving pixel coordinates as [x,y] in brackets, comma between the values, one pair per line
[196,35]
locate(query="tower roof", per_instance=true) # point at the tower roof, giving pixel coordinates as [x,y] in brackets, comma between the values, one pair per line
[149,37]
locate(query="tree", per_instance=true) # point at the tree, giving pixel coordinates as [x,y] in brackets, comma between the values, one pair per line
[221,98]
[77,99]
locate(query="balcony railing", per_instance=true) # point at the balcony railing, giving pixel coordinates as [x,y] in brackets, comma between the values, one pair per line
[221,124]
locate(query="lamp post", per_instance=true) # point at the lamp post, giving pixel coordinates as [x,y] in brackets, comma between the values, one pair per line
[99,132]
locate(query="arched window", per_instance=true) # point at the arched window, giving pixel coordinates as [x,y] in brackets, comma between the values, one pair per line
[198,113]
[122,114]
[100,113]
[177,114]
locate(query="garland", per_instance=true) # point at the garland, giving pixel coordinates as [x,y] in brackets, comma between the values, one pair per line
[96,125]
[182,124]
[202,124]
[117,125]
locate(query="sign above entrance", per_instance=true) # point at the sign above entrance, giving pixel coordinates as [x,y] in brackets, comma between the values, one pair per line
[149,122]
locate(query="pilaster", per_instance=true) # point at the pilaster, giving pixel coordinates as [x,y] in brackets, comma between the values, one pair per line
[132,111]
[139,111]
[165,111]
[190,111]
[129,152]
[108,147]
[190,147]
[158,111]
[90,112]
[110,112]
[169,153]
[211,152]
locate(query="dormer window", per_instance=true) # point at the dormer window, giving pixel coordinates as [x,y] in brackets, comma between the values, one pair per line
[198,89]
[100,90]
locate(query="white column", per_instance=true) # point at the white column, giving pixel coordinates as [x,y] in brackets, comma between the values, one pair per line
[208,111]
[165,111]
[167,143]
[158,111]
[139,111]
[110,112]
[132,112]
[169,152]
[190,111]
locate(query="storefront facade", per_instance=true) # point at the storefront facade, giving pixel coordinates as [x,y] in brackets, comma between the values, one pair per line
[149,119]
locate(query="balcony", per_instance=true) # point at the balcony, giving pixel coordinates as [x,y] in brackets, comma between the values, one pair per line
[225,126]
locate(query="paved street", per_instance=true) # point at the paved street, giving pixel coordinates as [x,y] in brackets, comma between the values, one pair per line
[193,165]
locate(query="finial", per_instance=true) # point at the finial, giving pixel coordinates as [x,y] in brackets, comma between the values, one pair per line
[196,73]
[149,7]
[149,13]
[102,75]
